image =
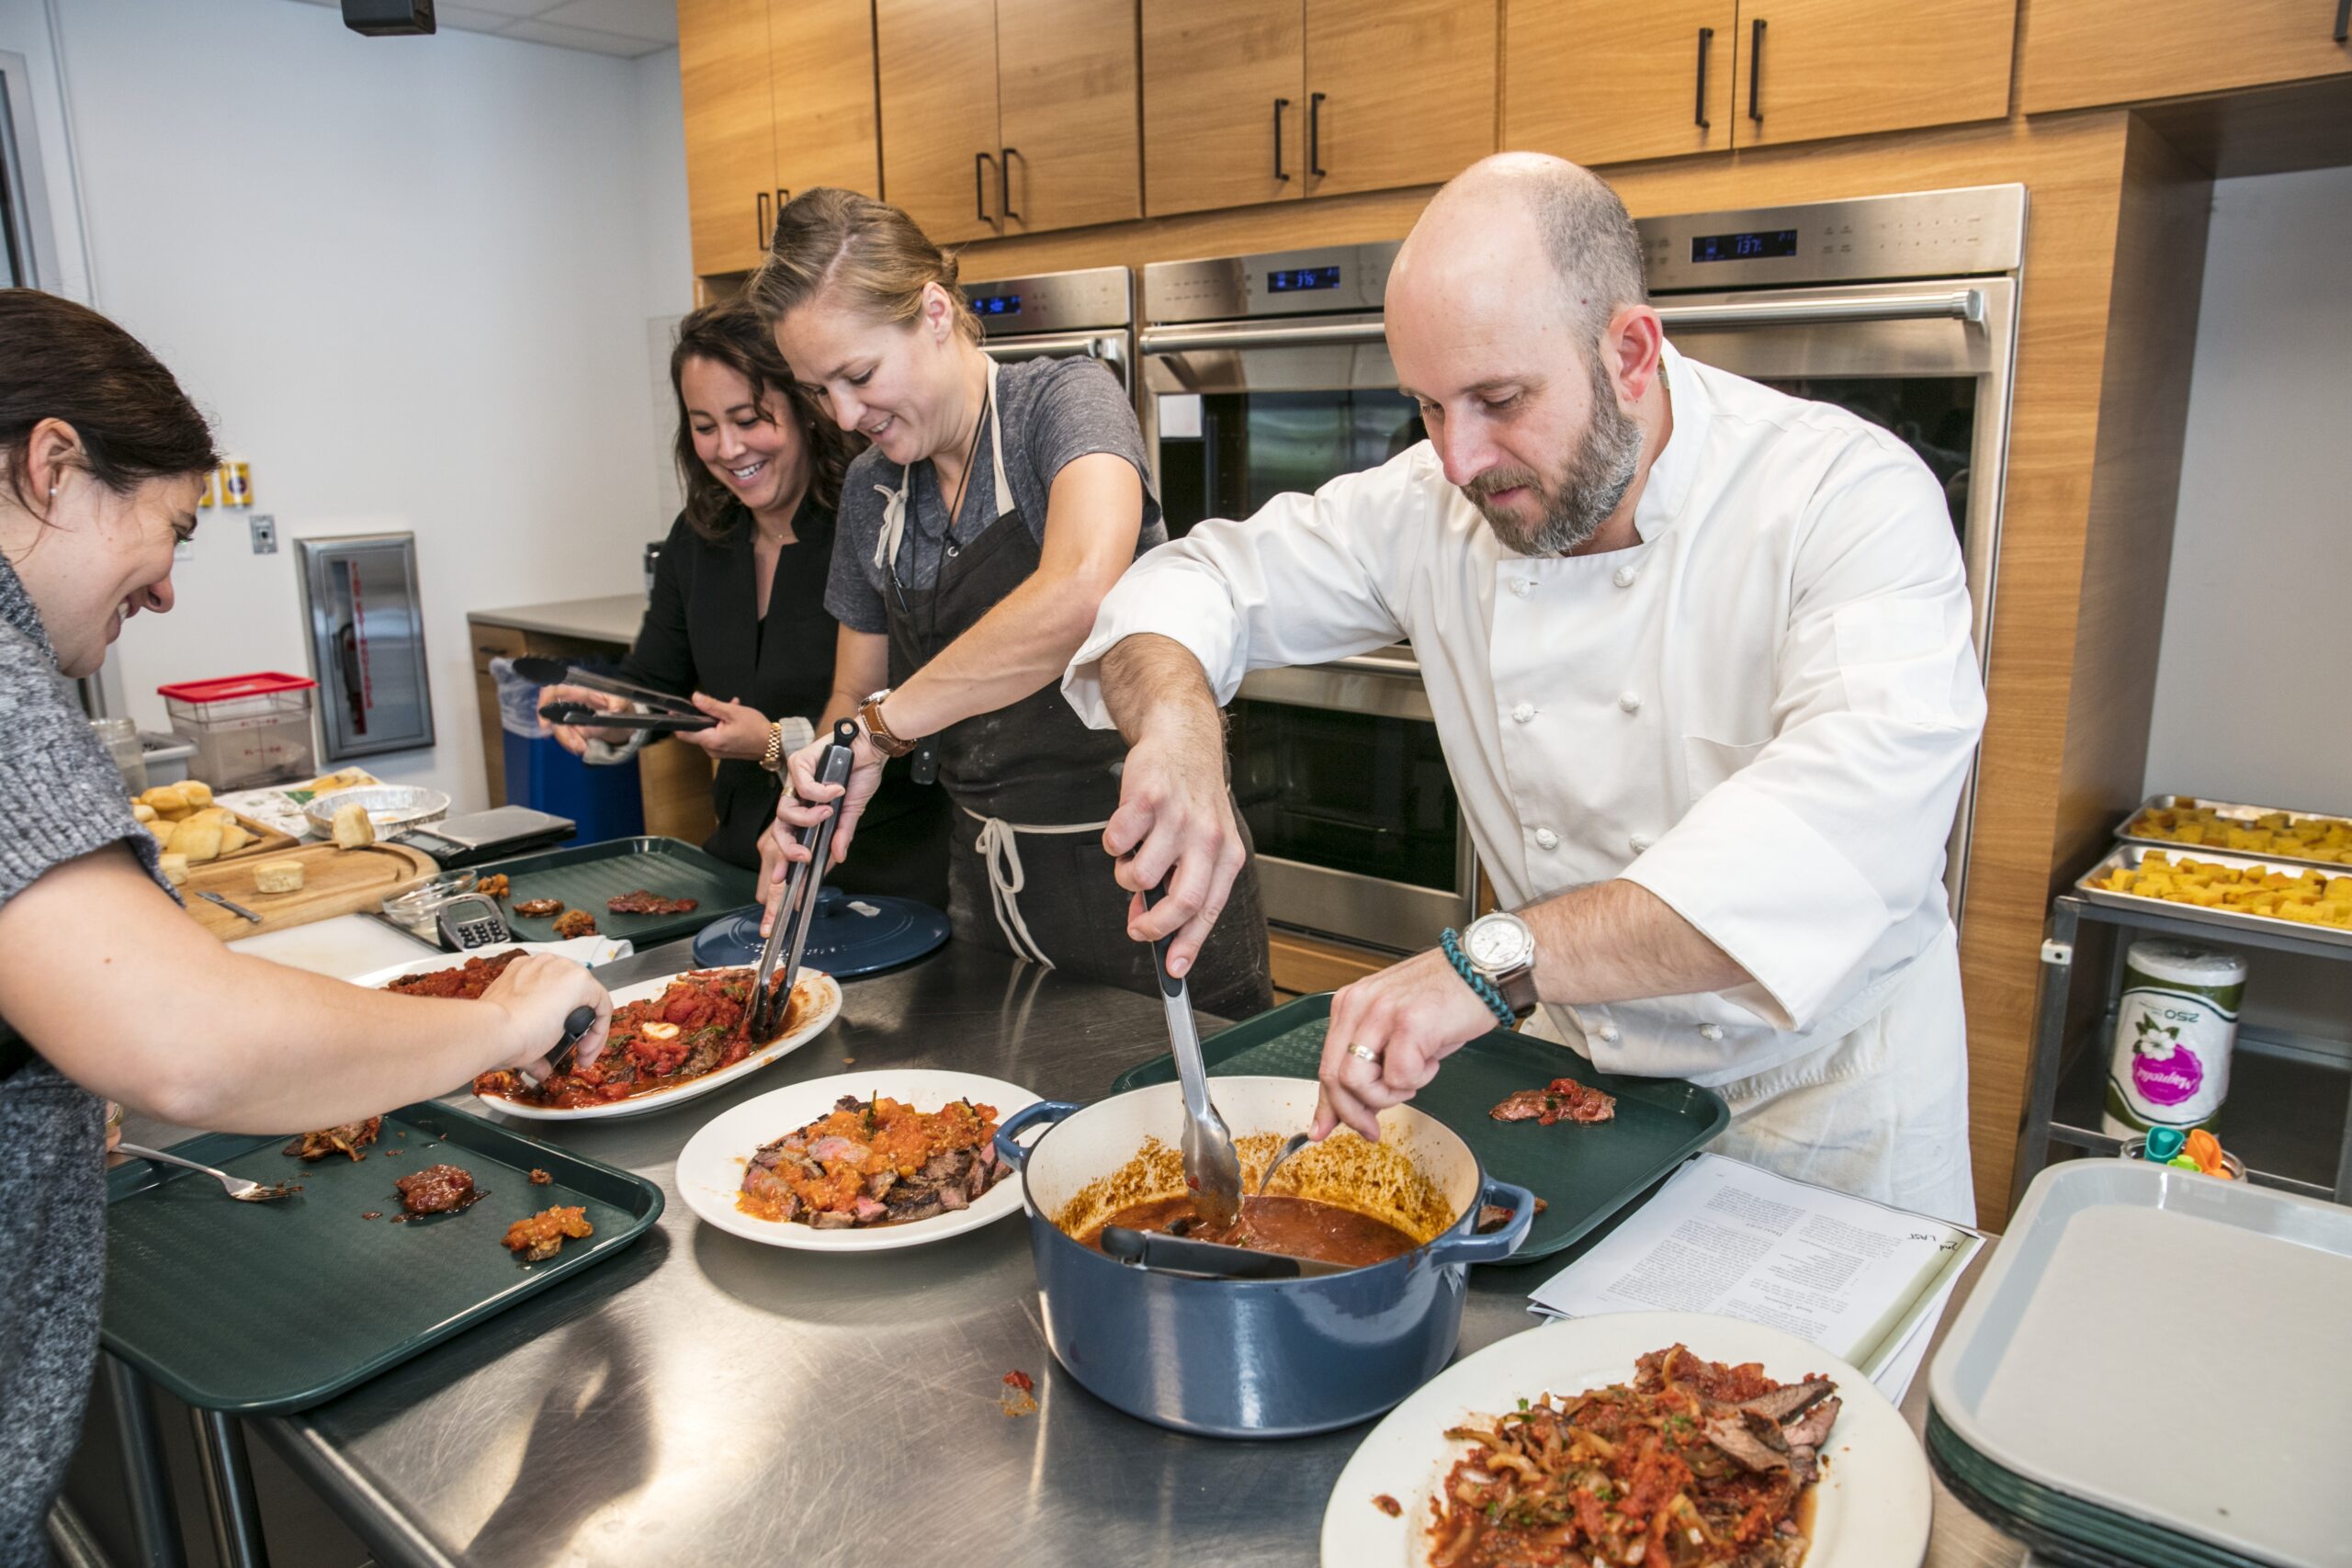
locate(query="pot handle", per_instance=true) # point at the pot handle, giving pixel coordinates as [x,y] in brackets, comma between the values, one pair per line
[1046,1111]
[1472,1248]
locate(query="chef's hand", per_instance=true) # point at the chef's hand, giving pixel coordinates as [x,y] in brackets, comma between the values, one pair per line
[574,738]
[741,733]
[1410,1016]
[537,992]
[804,805]
[1175,824]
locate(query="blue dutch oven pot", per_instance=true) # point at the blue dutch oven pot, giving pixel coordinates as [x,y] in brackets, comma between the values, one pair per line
[1247,1358]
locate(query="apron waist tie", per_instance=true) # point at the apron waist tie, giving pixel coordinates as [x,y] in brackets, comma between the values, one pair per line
[999,847]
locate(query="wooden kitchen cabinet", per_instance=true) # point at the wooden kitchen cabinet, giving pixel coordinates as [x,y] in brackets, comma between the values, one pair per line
[1007,116]
[2080,52]
[724,81]
[1809,69]
[1610,81]
[1398,94]
[820,57]
[1224,104]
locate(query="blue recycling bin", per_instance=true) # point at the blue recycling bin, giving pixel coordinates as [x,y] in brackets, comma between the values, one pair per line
[607,802]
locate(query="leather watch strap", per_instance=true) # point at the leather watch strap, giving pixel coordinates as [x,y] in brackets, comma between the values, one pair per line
[869,713]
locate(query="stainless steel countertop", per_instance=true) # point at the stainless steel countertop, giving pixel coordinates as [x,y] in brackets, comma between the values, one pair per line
[703,1399]
[614,618]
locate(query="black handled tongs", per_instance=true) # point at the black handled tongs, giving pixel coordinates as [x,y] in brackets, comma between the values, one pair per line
[669,714]
[771,1000]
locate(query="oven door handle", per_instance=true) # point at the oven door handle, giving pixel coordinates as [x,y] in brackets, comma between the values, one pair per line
[1210,339]
[1109,347]
[1959,305]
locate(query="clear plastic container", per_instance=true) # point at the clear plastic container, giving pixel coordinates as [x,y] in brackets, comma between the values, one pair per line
[247,729]
[120,737]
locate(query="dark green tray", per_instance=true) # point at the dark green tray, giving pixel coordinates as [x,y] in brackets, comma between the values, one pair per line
[267,1308]
[585,875]
[1584,1173]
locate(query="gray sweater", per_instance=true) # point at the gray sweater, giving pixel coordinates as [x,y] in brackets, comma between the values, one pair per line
[61,797]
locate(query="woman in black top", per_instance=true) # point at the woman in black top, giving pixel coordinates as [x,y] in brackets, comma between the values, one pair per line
[738,604]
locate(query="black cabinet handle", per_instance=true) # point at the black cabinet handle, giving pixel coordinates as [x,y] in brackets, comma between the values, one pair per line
[1756,69]
[760,220]
[1004,181]
[980,184]
[1706,41]
[1281,104]
[2343,20]
[783,195]
[1315,135]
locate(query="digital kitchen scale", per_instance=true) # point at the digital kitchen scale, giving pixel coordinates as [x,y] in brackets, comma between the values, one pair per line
[482,836]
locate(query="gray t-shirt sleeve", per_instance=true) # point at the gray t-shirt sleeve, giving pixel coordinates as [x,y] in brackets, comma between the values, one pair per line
[1080,409]
[61,795]
[854,586]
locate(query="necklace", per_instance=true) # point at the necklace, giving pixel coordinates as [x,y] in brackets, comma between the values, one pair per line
[964,480]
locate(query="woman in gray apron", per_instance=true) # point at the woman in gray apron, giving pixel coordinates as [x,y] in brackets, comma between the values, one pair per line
[977,534]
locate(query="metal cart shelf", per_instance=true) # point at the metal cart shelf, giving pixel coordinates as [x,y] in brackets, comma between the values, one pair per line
[2295,1110]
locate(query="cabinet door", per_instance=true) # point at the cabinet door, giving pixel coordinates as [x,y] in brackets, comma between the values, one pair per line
[1066,96]
[1224,104]
[2112,51]
[731,141]
[821,55]
[1610,81]
[937,60]
[1814,68]
[1406,90]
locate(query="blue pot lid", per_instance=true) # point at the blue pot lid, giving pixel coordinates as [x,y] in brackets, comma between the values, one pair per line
[853,933]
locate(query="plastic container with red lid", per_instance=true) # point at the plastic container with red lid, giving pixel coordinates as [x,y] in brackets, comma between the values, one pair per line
[247,729]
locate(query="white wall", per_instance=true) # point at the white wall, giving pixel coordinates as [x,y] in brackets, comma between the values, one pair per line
[409,279]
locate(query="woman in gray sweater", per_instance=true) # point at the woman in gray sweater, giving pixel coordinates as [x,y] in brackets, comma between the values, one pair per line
[106,988]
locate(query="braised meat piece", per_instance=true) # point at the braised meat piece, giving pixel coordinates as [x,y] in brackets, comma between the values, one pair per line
[575,922]
[466,982]
[1562,1099]
[852,1168]
[642,902]
[346,1140]
[542,1236]
[1494,1216]
[540,1178]
[436,1190]
[539,908]
[492,886]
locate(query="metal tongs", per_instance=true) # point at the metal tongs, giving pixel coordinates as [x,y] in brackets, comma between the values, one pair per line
[669,714]
[1166,1253]
[1212,1166]
[771,1002]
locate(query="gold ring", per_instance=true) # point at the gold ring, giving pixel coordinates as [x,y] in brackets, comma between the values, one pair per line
[1360,1054]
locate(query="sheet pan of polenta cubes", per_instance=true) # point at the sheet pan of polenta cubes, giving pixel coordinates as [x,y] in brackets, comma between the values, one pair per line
[2229,890]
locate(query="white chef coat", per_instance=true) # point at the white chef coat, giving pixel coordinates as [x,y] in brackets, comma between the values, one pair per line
[1763,712]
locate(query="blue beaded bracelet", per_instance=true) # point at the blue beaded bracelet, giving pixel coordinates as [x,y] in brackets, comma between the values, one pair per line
[1488,993]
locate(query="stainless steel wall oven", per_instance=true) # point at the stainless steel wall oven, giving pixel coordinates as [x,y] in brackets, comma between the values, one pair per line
[1091,311]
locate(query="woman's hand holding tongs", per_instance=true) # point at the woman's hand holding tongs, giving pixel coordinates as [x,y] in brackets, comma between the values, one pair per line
[573,738]
[804,805]
[741,733]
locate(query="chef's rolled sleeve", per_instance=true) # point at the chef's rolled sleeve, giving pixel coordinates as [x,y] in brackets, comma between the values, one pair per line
[1799,863]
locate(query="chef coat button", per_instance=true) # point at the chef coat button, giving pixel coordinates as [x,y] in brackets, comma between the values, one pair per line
[1630,701]
[1607,1031]
[1639,842]
[1624,578]
[1523,586]
[1546,839]
[1711,1032]
[1523,712]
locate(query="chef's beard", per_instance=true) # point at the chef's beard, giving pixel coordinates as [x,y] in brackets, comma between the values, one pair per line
[1599,473]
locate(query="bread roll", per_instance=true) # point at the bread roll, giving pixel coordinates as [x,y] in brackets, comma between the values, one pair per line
[196,793]
[143,811]
[199,841]
[175,868]
[234,837]
[278,876]
[162,831]
[212,813]
[170,802]
[352,828]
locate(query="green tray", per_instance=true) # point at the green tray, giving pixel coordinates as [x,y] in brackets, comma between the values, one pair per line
[585,875]
[1584,1173]
[267,1308]
[2062,1528]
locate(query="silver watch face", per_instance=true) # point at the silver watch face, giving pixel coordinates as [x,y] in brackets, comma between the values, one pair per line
[1498,943]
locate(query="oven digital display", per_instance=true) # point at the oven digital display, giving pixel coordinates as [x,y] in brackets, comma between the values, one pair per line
[998,305]
[1294,278]
[1744,247]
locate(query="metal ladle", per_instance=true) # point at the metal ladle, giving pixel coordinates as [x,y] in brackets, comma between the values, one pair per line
[1212,1166]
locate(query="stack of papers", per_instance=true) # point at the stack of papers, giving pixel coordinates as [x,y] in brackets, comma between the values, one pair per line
[1866,1282]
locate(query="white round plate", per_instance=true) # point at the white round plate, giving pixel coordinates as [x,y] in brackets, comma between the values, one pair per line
[661,1100]
[710,1168]
[1872,1505]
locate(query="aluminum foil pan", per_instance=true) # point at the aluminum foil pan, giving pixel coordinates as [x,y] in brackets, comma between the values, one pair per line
[390,806]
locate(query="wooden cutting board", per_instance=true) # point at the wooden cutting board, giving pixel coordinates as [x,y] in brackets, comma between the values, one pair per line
[335,881]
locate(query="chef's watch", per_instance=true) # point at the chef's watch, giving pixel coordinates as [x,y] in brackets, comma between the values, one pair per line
[1501,947]
[869,713]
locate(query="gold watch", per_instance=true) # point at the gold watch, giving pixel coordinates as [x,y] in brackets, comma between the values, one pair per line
[772,755]
[869,713]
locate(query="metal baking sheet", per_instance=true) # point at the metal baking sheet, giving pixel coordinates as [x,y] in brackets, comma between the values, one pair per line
[267,1308]
[585,875]
[1584,1174]
[2134,1318]
[2130,855]
[2236,810]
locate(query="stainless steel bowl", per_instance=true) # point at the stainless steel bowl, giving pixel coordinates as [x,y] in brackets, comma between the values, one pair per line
[390,806]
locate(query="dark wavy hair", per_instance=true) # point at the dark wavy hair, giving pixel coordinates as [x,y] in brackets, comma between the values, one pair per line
[64,361]
[733,334]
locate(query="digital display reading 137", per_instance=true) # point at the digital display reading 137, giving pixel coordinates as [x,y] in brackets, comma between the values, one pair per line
[1301,278]
[1744,247]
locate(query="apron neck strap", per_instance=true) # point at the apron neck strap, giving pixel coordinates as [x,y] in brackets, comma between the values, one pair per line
[894,502]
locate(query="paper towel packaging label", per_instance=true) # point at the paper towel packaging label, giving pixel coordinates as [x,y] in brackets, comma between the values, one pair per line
[2175,1023]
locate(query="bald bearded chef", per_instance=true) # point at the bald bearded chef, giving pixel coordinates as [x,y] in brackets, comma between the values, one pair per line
[1699,655]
